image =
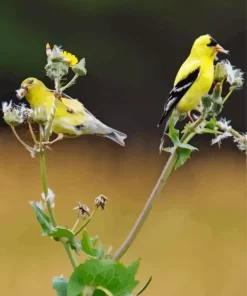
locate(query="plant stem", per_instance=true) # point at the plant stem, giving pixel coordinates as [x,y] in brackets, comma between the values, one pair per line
[45,186]
[69,253]
[148,206]
[30,149]
[49,207]
[227,96]
[32,133]
[71,82]
[86,223]
[232,131]
[155,193]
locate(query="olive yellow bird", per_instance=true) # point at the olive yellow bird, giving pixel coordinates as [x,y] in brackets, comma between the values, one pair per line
[194,79]
[71,118]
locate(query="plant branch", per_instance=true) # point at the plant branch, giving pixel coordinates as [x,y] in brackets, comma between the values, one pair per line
[69,253]
[227,96]
[30,149]
[155,193]
[86,223]
[232,131]
[71,82]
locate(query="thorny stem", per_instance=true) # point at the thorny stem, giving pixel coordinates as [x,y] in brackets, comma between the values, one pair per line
[155,193]
[71,82]
[86,223]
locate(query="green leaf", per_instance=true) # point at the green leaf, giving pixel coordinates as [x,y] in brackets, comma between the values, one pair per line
[183,155]
[42,218]
[186,146]
[144,287]
[88,246]
[211,123]
[61,232]
[169,149]
[60,285]
[112,276]
[210,131]
[173,133]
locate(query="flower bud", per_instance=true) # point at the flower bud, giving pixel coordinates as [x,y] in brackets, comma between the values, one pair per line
[80,68]
[220,71]
[40,115]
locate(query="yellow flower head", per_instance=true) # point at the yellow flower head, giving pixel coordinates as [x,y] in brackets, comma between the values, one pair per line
[70,58]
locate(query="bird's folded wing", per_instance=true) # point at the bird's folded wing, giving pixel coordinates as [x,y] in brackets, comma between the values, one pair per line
[187,75]
[78,109]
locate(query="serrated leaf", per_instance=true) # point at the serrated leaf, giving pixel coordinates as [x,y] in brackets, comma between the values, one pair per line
[88,246]
[109,274]
[186,146]
[210,131]
[211,123]
[183,155]
[61,232]
[168,149]
[145,286]
[42,218]
[60,285]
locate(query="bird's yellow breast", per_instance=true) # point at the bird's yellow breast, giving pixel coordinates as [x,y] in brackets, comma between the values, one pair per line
[200,87]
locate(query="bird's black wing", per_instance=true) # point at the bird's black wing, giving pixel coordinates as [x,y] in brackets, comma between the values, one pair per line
[177,93]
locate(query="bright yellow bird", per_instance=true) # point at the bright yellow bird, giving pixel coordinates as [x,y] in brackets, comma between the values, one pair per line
[71,118]
[194,79]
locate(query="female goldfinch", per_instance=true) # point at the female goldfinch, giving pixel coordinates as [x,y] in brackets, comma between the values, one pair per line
[194,79]
[71,118]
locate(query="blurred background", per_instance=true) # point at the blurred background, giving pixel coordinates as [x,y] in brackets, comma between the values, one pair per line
[194,242]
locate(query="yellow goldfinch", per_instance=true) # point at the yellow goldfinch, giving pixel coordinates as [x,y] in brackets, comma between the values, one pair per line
[71,118]
[194,79]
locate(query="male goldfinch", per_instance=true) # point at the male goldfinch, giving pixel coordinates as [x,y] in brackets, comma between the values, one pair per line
[71,118]
[194,79]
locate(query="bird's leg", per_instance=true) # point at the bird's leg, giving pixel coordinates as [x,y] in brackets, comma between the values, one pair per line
[58,138]
[190,117]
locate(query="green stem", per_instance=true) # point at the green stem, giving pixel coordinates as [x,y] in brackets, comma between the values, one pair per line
[71,82]
[232,131]
[45,186]
[69,253]
[227,96]
[86,223]
[148,206]
[49,206]
[155,193]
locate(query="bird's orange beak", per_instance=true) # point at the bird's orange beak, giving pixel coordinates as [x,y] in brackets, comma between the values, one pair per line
[21,92]
[219,48]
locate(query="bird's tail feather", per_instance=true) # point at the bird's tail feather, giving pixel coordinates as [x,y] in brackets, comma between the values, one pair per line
[163,117]
[117,137]
[163,139]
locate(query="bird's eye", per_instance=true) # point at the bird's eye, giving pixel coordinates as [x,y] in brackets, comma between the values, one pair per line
[212,43]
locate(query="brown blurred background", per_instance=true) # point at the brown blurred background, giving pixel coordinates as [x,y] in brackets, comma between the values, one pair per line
[194,242]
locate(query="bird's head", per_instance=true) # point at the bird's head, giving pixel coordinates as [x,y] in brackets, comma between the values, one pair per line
[28,86]
[207,46]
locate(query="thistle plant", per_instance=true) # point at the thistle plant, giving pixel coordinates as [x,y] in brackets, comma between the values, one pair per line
[103,273]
